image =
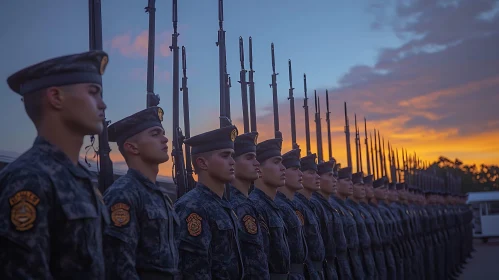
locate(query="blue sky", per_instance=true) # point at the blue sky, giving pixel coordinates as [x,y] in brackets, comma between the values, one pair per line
[331,41]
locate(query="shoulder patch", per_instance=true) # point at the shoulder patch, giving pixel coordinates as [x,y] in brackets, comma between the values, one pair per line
[250,224]
[23,210]
[194,224]
[120,214]
[300,217]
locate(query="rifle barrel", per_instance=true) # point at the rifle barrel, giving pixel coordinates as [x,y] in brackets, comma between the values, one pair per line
[347,138]
[307,121]
[251,87]
[328,122]
[244,86]
[273,85]
[106,174]
[291,99]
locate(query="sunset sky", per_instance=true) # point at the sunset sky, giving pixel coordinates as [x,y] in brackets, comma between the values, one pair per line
[425,74]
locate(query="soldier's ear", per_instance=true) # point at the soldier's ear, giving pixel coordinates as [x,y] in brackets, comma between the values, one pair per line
[55,97]
[202,163]
[130,148]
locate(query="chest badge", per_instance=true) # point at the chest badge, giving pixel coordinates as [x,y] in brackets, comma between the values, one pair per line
[23,210]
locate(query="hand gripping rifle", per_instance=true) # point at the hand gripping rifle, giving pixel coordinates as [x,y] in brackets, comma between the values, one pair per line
[178,173]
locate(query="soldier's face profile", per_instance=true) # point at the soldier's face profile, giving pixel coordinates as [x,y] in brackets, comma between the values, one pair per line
[359,191]
[369,191]
[327,182]
[82,107]
[294,178]
[152,145]
[247,167]
[220,165]
[345,187]
[311,180]
[273,172]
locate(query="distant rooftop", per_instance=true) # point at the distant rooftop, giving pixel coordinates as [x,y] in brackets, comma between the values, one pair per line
[118,169]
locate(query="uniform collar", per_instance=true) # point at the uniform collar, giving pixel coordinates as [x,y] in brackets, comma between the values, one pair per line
[52,151]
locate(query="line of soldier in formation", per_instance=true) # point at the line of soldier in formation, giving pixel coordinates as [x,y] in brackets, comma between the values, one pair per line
[302,220]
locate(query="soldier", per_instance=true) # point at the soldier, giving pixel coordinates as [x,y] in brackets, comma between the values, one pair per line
[140,242]
[377,191]
[272,176]
[359,193]
[345,189]
[328,222]
[373,229]
[51,216]
[291,214]
[208,235]
[251,238]
[393,230]
[315,243]
[343,268]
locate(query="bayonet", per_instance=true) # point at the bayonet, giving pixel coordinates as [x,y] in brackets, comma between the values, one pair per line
[251,87]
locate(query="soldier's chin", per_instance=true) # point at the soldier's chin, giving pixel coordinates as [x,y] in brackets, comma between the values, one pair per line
[95,129]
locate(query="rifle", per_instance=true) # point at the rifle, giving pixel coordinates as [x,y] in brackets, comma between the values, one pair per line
[318,129]
[358,147]
[384,158]
[251,85]
[307,122]
[372,156]
[367,148]
[106,175]
[292,107]
[224,76]
[179,173]
[379,173]
[398,166]
[274,94]
[347,138]
[382,171]
[152,99]
[328,121]
[225,83]
[244,86]
[187,124]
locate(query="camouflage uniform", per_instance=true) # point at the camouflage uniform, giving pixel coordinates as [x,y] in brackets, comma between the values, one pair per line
[209,228]
[273,226]
[51,216]
[250,235]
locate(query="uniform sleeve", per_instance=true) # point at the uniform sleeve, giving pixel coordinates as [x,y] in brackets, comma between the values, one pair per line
[121,236]
[25,238]
[194,237]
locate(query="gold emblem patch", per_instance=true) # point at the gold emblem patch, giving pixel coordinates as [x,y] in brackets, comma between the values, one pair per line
[233,135]
[256,138]
[103,64]
[120,214]
[23,210]
[300,217]
[250,224]
[194,224]
[161,113]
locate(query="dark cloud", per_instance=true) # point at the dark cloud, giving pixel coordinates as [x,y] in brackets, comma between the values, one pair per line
[441,84]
